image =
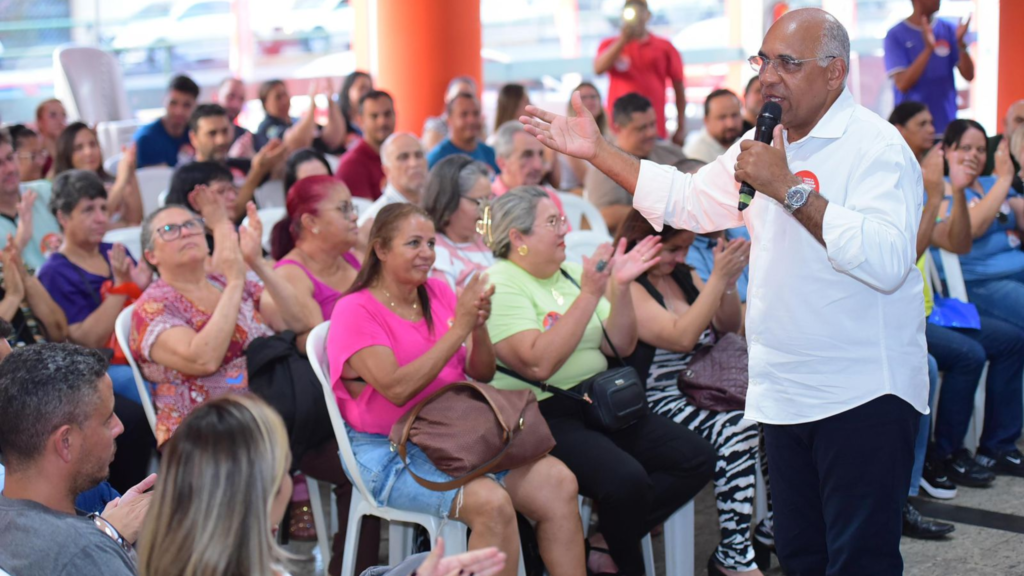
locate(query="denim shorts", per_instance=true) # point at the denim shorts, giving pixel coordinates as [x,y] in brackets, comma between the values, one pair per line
[385,476]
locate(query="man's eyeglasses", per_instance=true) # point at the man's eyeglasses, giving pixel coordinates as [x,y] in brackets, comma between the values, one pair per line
[783,64]
[170,232]
[39,156]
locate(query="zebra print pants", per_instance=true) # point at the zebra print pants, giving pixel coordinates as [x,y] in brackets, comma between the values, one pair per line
[737,442]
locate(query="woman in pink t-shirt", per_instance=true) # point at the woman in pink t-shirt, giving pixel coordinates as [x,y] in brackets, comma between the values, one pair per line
[398,336]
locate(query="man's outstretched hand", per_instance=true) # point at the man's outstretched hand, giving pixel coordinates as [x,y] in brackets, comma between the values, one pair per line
[578,136]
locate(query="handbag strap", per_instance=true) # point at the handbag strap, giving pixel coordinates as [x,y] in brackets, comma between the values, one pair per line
[545,386]
[599,323]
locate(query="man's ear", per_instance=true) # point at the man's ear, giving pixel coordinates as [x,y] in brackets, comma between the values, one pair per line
[62,442]
[837,70]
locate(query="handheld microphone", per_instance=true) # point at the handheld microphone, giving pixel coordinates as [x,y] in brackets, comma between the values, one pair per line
[767,120]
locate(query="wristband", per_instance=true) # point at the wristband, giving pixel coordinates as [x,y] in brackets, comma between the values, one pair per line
[129,289]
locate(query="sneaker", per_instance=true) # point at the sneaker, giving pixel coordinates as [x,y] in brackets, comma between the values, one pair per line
[935,482]
[917,526]
[1010,462]
[964,470]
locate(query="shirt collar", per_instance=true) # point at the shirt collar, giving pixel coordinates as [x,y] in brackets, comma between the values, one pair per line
[833,123]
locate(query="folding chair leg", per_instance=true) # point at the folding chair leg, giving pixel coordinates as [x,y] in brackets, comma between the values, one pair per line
[320,523]
[355,525]
[679,533]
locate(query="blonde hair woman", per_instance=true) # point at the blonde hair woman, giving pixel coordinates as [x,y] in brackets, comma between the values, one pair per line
[223,489]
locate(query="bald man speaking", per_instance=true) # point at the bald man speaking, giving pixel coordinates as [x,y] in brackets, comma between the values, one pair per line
[835,318]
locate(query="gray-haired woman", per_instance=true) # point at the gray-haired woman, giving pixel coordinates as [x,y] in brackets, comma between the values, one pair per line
[457,187]
[547,327]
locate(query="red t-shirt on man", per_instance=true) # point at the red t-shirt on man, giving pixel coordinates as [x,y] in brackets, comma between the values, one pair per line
[360,169]
[644,67]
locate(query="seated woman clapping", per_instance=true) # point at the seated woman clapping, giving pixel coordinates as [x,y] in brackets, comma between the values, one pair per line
[190,328]
[682,315]
[547,327]
[397,337]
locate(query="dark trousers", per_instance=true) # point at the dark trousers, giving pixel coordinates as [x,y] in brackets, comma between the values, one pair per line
[637,476]
[838,489]
[961,355]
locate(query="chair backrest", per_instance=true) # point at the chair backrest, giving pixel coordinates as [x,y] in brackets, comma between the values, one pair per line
[954,275]
[577,207]
[333,160]
[271,194]
[89,82]
[580,243]
[111,162]
[123,329]
[316,351]
[269,217]
[115,134]
[152,181]
[131,238]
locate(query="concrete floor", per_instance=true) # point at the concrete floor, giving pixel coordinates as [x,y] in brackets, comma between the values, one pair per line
[968,551]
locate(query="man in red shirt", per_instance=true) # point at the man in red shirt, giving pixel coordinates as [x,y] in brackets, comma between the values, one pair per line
[638,61]
[360,168]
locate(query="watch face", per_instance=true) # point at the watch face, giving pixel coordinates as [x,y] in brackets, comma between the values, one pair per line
[796,197]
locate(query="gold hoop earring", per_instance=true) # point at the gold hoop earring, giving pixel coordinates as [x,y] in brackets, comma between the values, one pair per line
[523,250]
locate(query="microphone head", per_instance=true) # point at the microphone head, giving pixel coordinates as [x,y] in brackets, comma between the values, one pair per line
[773,110]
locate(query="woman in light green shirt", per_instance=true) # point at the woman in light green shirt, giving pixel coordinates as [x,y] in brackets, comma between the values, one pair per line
[545,327]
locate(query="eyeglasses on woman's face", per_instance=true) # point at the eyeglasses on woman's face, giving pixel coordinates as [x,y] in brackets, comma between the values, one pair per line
[171,232]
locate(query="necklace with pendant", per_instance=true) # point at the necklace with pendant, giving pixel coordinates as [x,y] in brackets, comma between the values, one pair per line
[557,296]
[415,306]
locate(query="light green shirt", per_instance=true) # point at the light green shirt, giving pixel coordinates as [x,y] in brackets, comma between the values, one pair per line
[523,302]
[43,223]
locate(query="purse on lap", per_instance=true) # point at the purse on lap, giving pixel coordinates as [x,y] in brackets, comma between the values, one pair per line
[468,429]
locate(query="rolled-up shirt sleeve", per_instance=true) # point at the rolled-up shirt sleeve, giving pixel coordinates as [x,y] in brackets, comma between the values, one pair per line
[872,237]
[702,202]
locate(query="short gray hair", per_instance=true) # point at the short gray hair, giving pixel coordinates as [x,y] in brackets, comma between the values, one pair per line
[43,387]
[450,180]
[835,43]
[513,210]
[505,138]
[390,140]
[146,238]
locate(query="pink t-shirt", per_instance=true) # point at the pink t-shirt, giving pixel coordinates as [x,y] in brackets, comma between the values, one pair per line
[359,321]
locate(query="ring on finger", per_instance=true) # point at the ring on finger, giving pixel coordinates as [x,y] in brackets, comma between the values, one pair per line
[601,265]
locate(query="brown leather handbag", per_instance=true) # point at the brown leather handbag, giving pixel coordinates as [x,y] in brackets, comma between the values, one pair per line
[716,378]
[468,429]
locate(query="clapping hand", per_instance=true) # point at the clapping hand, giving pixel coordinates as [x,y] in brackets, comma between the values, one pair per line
[209,205]
[250,237]
[474,304]
[13,283]
[730,259]
[128,512]
[628,266]
[963,169]
[578,136]
[931,171]
[1003,162]
[483,562]
[961,30]
[24,231]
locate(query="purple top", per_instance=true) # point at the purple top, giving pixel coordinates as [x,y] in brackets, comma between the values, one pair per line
[74,289]
[936,87]
[324,295]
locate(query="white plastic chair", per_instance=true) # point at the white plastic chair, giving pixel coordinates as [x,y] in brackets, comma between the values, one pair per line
[270,195]
[580,243]
[114,134]
[269,217]
[363,504]
[679,534]
[152,181]
[111,162]
[333,160]
[123,329]
[957,289]
[131,237]
[89,82]
[577,207]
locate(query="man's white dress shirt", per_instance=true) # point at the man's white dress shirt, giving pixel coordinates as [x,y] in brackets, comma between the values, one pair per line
[391,195]
[829,328]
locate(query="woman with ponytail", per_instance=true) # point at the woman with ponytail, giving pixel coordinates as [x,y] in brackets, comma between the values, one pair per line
[315,244]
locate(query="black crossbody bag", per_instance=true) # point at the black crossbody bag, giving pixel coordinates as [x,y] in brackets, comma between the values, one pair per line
[612,400]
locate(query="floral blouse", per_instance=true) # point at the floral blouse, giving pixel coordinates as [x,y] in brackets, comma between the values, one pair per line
[175,394]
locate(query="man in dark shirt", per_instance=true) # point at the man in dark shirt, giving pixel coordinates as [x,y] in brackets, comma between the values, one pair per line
[57,430]
[360,168]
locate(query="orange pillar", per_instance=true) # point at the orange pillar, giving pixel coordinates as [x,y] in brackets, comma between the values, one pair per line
[414,48]
[1011,46]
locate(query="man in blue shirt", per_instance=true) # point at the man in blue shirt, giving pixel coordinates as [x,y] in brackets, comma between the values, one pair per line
[464,128]
[161,142]
[920,54]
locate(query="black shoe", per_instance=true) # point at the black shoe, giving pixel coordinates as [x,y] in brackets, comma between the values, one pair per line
[917,526]
[963,470]
[935,482]
[1010,463]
